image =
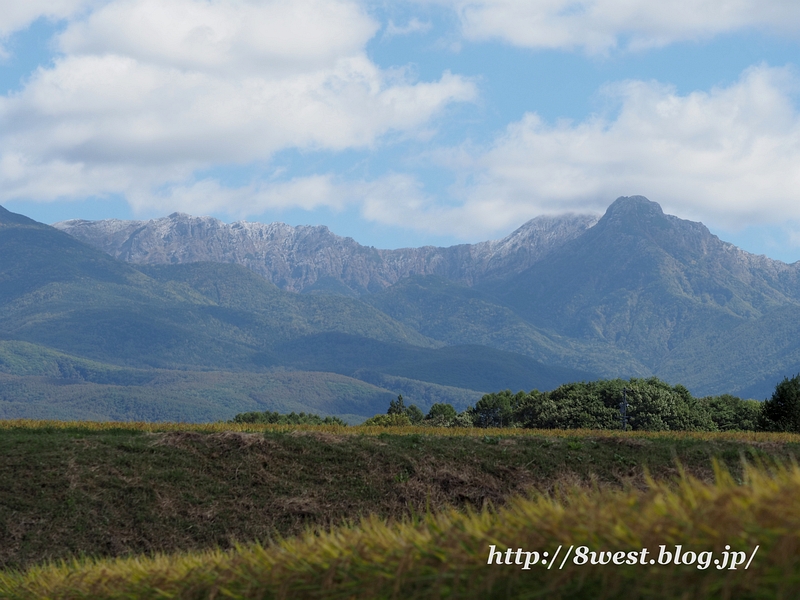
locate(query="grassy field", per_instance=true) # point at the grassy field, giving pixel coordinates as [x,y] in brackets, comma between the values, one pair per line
[198,511]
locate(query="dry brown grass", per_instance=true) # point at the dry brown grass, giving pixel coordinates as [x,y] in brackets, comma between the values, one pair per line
[445,554]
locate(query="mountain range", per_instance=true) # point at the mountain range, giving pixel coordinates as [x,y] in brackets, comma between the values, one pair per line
[190,318]
[312,259]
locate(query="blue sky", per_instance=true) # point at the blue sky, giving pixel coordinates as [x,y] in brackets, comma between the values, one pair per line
[404,123]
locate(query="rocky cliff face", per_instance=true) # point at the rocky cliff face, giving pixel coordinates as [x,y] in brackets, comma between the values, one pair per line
[312,259]
[651,284]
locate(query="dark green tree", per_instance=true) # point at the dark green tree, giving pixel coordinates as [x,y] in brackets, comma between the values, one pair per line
[392,420]
[730,413]
[414,414]
[782,411]
[496,410]
[441,415]
[291,419]
[652,405]
[397,407]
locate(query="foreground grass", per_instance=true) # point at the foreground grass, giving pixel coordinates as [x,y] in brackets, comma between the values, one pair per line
[107,490]
[220,427]
[445,555]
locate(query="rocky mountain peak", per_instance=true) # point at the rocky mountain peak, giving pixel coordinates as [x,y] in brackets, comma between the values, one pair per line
[634,223]
[313,259]
[634,205]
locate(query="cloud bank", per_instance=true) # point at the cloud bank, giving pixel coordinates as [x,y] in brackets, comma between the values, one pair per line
[145,93]
[144,96]
[599,26]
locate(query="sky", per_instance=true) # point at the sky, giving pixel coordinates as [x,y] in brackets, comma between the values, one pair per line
[408,122]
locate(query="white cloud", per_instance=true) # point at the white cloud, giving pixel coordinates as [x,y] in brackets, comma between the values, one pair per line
[148,92]
[208,196]
[261,39]
[16,15]
[729,157]
[394,199]
[598,26]
[414,25]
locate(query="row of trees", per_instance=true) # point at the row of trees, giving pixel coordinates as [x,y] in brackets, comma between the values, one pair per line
[439,415]
[652,405]
[292,418]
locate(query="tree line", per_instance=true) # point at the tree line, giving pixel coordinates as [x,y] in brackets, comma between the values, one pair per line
[650,405]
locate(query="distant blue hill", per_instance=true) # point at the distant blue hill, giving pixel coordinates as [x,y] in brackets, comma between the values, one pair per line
[84,335]
[635,293]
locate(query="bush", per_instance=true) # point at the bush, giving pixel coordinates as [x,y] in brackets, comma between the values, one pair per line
[393,420]
[414,414]
[497,410]
[653,405]
[730,413]
[441,412]
[292,418]
[782,411]
[463,419]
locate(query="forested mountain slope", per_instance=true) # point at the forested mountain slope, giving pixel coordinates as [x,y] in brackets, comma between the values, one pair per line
[635,293]
[689,306]
[70,315]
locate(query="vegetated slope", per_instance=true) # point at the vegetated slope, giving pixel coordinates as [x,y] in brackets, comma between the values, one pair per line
[724,539]
[108,322]
[193,396]
[33,256]
[755,355]
[348,348]
[62,293]
[636,293]
[313,259]
[111,491]
[662,289]
[457,314]
[466,366]
[242,298]
[38,382]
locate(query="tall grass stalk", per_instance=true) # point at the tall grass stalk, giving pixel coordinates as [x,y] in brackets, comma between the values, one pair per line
[445,554]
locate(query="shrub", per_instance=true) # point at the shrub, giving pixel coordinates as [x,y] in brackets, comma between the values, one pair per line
[782,411]
[653,405]
[441,412]
[393,420]
[414,414]
[730,413]
[291,419]
[496,410]
[462,419]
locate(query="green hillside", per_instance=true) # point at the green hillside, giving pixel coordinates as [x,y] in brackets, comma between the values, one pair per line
[85,336]
[752,357]
[193,396]
[245,300]
[639,294]
[467,366]
[456,314]
[38,382]
[668,292]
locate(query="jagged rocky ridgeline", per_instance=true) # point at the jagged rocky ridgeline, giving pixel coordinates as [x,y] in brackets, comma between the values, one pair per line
[634,293]
[309,258]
